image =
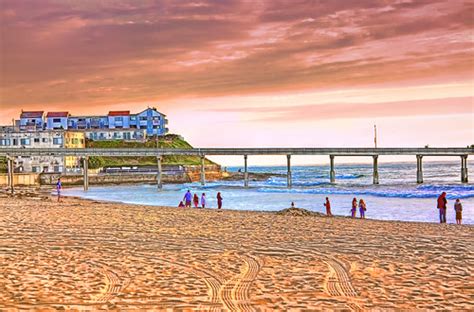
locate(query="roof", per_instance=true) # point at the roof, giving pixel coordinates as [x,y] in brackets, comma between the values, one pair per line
[57,114]
[32,114]
[152,108]
[119,113]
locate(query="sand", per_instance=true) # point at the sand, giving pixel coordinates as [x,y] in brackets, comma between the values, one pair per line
[89,255]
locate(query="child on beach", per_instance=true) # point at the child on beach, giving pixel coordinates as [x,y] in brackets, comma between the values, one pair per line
[196,200]
[59,186]
[362,208]
[458,209]
[181,204]
[219,200]
[327,204]
[187,199]
[354,207]
[203,200]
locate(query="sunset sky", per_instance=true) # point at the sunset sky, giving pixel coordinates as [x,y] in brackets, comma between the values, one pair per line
[250,73]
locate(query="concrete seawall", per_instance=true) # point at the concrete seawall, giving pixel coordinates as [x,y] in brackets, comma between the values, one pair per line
[188,174]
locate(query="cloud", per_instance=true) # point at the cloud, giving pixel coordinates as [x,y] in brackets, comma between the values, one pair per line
[92,53]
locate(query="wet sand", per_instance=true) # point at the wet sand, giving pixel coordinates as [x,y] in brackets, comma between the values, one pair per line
[89,255]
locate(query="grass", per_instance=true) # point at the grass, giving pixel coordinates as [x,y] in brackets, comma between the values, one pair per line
[167,141]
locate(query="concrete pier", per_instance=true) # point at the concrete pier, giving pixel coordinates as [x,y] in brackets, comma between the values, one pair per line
[85,168]
[419,169]
[332,172]
[11,172]
[159,184]
[288,175]
[203,172]
[246,173]
[376,170]
[464,178]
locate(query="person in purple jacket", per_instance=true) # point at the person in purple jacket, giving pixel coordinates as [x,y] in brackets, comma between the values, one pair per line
[187,199]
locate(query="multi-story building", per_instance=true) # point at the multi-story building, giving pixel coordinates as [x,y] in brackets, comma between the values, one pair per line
[56,120]
[152,121]
[31,121]
[73,139]
[38,139]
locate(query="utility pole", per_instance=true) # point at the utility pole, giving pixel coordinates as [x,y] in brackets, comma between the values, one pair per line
[375,135]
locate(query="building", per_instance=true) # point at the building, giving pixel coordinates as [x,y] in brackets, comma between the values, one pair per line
[38,139]
[116,134]
[73,139]
[56,120]
[31,121]
[152,121]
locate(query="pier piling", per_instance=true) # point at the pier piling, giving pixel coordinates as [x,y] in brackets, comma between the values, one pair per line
[203,173]
[159,173]
[332,172]
[11,172]
[288,175]
[85,161]
[464,178]
[376,170]
[419,169]
[246,174]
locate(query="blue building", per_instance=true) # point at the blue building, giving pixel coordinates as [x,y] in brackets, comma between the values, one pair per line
[57,120]
[151,120]
[31,121]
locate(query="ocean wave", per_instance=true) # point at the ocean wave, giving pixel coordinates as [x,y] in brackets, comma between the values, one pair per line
[371,192]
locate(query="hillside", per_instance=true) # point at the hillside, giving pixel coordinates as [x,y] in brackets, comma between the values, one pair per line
[167,141]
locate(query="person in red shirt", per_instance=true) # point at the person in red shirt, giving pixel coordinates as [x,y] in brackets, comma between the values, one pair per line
[327,204]
[196,200]
[442,203]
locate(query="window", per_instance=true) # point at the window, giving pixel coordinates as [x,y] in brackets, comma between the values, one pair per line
[4,142]
[36,140]
[56,119]
[15,141]
[118,119]
[45,140]
[35,169]
[24,141]
[143,118]
[57,141]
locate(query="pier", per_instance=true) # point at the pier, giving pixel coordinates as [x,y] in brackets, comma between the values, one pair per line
[85,153]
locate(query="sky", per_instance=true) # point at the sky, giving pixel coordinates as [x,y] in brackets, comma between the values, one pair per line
[241,73]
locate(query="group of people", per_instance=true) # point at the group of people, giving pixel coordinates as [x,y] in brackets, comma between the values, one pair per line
[189,198]
[362,208]
[443,206]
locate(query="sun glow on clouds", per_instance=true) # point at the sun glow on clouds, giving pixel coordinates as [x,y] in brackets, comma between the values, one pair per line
[249,73]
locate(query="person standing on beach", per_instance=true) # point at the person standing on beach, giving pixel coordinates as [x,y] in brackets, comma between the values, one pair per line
[327,204]
[196,200]
[187,199]
[442,203]
[203,200]
[59,186]
[219,200]
[354,207]
[458,209]
[362,208]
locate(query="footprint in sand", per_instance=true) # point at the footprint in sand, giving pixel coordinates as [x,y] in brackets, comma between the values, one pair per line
[338,283]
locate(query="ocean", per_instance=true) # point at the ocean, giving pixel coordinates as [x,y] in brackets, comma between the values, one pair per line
[397,197]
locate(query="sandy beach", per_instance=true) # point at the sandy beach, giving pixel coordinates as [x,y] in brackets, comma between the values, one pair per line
[88,255]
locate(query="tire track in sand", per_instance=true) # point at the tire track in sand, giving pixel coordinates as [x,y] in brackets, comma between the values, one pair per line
[112,286]
[235,293]
[338,283]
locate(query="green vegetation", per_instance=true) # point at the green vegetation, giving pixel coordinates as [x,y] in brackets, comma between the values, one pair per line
[3,164]
[167,141]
